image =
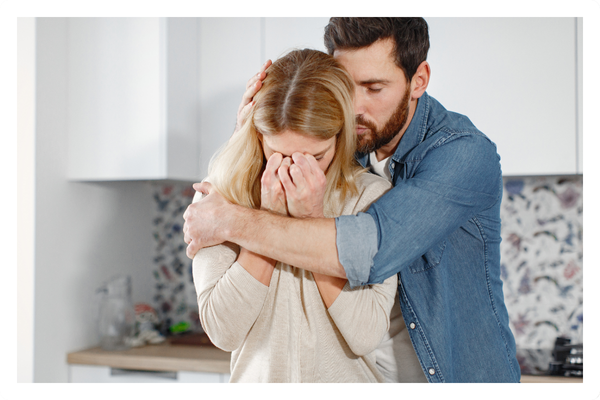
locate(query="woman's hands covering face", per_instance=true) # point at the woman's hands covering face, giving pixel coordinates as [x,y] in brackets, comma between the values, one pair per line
[272,194]
[294,186]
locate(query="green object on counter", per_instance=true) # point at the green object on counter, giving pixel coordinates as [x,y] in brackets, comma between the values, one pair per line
[180,327]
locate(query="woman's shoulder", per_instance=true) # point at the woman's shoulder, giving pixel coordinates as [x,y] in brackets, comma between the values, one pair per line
[367,181]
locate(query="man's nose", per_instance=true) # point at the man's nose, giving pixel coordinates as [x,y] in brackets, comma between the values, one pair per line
[359,102]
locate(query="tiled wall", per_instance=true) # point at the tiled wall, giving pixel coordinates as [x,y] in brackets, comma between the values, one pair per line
[175,298]
[541,258]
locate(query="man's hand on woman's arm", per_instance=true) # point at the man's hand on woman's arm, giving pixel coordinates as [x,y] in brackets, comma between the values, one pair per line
[307,243]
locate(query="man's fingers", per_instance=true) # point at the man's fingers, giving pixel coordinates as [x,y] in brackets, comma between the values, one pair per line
[204,187]
[191,250]
[260,75]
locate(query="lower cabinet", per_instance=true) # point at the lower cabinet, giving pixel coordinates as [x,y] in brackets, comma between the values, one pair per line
[105,374]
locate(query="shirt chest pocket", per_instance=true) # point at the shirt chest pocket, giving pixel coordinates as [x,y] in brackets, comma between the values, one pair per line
[430,259]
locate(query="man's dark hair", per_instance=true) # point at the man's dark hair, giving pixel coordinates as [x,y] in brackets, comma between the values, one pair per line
[410,35]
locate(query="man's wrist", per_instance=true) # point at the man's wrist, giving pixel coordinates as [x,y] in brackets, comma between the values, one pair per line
[234,223]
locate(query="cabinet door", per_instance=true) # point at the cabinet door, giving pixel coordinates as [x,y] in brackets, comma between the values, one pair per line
[104,374]
[515,79]
[230,53]
[114,109]
[132,98]
[285,34]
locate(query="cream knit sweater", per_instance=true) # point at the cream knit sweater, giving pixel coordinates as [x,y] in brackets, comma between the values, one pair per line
[284,332]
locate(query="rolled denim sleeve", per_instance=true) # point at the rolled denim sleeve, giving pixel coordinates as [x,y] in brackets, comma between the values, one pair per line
[356,242]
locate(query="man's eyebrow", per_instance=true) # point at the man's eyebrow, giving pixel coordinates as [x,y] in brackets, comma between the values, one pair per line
[373,81]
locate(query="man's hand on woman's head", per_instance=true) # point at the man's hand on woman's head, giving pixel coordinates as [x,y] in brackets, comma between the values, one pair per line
[252,87]
[304,183]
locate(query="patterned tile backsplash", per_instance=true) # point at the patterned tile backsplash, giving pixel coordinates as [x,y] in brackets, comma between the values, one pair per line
[542,259]
[175,298]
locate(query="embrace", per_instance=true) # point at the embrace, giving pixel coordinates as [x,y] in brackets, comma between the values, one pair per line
[349,230]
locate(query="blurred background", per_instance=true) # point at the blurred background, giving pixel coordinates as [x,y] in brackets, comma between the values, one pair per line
[119,116]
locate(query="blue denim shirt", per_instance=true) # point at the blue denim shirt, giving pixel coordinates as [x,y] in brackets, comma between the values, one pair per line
[439,229]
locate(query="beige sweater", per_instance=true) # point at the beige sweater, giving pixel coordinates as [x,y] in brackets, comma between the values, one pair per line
[284,332]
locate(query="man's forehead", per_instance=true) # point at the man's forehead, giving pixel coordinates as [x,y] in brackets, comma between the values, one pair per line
[367,69]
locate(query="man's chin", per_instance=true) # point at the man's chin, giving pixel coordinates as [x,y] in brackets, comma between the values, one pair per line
[364,146]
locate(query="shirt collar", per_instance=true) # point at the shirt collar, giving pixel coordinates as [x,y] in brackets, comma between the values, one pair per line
[415,133]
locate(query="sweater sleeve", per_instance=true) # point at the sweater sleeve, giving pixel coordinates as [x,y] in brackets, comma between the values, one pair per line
[362,314]
[229,298]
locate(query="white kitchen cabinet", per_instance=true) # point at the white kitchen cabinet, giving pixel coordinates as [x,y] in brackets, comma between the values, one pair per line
[155,98]
[105,374]
[516,79]
[132,98]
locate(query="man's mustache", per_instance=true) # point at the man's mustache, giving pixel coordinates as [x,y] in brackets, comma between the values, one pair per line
[360,120]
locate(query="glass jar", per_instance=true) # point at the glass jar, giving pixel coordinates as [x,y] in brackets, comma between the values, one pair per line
[116,319]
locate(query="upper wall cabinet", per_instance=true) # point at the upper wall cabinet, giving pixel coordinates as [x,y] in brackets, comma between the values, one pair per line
[516,79]
[132,98]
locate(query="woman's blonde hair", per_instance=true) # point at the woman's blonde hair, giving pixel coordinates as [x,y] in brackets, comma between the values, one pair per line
[307,92]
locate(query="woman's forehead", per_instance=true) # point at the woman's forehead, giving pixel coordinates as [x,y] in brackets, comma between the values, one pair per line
[289,142]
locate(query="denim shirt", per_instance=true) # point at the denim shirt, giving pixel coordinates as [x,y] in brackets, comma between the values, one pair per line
[438,228]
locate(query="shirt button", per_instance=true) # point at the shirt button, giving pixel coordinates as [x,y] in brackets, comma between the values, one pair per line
[412,325]
[431,371]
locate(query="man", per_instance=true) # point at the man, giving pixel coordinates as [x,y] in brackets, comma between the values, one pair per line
[438,228]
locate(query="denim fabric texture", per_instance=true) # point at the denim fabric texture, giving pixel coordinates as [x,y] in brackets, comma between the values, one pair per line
[439,229]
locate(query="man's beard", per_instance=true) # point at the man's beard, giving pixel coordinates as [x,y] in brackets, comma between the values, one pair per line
[368,143]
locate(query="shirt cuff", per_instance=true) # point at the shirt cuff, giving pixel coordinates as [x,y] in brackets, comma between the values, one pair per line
[356,241]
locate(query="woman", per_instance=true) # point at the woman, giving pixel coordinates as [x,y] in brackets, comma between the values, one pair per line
[284,324]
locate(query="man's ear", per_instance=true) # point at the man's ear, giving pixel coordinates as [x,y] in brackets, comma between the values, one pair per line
[420,80]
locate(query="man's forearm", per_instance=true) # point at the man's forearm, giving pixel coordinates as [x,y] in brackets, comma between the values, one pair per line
[307,243]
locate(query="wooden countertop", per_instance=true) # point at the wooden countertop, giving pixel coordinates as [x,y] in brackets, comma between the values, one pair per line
[171,356]
[549,379]
[159,357]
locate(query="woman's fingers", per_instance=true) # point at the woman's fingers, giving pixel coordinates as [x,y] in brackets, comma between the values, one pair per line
[284,176]
[272,192]
[269,176]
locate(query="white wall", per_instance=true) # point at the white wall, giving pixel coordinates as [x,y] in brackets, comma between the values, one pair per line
[84,232]
[25,195]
